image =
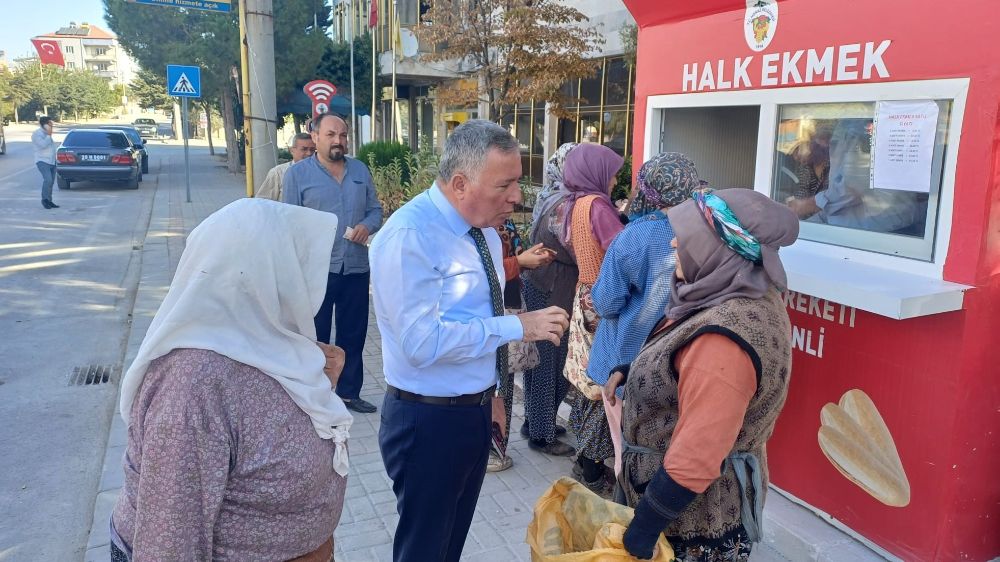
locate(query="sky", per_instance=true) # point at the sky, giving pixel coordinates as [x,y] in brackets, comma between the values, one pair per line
[20,20]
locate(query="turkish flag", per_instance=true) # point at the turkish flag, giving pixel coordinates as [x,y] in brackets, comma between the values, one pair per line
[49,51]
[373,14]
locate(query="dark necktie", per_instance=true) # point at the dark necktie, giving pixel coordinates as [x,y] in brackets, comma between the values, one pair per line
[496,295]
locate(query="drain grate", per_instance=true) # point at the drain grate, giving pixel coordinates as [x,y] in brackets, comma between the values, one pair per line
[91,375]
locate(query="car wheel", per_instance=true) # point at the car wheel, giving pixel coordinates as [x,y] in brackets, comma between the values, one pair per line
[134,182]
[145,165]
[62,183]
[3,147]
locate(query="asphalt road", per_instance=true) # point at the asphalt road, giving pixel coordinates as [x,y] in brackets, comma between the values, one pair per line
[67,284]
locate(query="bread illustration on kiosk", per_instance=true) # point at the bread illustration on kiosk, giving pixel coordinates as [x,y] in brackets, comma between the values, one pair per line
[857,442]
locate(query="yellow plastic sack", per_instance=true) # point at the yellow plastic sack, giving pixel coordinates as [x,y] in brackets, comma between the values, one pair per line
[573,524]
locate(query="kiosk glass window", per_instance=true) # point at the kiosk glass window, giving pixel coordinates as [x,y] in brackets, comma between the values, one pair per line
[865,175]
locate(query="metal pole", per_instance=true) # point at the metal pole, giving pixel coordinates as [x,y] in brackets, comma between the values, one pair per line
[263,121]
[354,113]
[372,112]
[184,132]
[245,86]
[392,39]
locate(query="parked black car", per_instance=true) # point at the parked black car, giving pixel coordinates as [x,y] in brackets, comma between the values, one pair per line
[98,155]
[146,127]
[3,139]
[137,141]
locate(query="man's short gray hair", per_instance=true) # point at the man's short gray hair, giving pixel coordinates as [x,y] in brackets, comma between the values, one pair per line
[469,145]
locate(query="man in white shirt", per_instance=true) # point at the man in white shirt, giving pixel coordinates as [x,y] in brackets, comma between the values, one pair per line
[437,283]
[302,147]
[45,158]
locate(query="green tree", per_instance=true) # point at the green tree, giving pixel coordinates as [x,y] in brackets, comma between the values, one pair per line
[156,36]
[335,68]
[517,50]
[150,89]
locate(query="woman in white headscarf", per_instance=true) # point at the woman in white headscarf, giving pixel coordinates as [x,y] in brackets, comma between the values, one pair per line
[237,445]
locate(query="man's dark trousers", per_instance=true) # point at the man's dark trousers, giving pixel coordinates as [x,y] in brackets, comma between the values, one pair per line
[436,457]
[349,292]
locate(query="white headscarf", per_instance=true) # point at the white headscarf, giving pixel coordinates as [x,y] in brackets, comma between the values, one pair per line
[249,282]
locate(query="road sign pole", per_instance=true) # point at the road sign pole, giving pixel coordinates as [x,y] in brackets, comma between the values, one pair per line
[187,161]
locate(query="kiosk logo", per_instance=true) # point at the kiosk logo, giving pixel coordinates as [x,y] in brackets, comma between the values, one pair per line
[760,23]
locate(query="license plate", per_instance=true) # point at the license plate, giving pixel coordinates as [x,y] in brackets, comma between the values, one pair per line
[93,157]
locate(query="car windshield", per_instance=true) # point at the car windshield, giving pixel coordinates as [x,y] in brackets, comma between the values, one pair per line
[96,139]
[145,122]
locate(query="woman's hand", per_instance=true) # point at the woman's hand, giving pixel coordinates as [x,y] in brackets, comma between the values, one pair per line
[335,358]
[535,256]
[614,381]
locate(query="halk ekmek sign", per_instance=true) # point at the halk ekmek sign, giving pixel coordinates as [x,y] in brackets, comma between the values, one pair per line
[844,63]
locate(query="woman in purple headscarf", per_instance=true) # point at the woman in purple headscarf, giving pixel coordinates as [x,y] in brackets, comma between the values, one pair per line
[590,225]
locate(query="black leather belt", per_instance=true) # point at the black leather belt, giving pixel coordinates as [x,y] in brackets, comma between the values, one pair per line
[477,399]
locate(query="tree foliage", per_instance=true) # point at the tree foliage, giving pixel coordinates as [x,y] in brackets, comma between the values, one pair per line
[156,36]
[517,50]
[335,68]
[63,92]
[151,90]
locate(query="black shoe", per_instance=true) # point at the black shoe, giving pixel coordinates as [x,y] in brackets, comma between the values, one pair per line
[555,448]
[603,485]
[360,406]
[560,430]
[53,205]
[46,204]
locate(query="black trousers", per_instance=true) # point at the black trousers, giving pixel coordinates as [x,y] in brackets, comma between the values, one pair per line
[349,294]
[436,457]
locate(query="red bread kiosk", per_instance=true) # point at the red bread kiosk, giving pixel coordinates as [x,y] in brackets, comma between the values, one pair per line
[878,123]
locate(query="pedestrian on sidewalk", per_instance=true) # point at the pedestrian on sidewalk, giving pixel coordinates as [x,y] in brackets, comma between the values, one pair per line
[701,399]
[237,444]
[516,257]
[45,158]
[437,274]
[302,147]
[544,386]
[333,182]
[591,224]
[633,287]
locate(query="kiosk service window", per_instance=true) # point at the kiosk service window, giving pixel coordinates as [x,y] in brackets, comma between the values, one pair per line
[868,168]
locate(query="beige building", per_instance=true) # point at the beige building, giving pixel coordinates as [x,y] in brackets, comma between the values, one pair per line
[88,47]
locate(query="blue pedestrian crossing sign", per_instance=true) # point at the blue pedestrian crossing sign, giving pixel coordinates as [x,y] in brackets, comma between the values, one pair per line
[183,81]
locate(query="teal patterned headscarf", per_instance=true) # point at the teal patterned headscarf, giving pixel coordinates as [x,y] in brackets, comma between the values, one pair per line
[726,225]
[727,247]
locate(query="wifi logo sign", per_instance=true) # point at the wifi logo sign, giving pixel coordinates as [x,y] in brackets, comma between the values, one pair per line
[320,92]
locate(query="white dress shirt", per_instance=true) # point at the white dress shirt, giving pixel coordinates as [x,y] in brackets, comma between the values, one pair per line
[432,300]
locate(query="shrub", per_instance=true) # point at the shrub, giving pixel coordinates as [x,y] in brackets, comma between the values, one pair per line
[623,181]
[402,176]
[384,153]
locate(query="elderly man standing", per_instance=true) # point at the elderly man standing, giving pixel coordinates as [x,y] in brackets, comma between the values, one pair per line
[302,147]
[438,279]
[333,182]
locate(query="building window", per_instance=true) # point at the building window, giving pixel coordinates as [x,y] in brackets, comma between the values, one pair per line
[68,48]
[869,168]
[603,107]
[71,65]
[101,67]
[101,51]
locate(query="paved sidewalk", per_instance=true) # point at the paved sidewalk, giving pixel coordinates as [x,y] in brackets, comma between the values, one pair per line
[369,517]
